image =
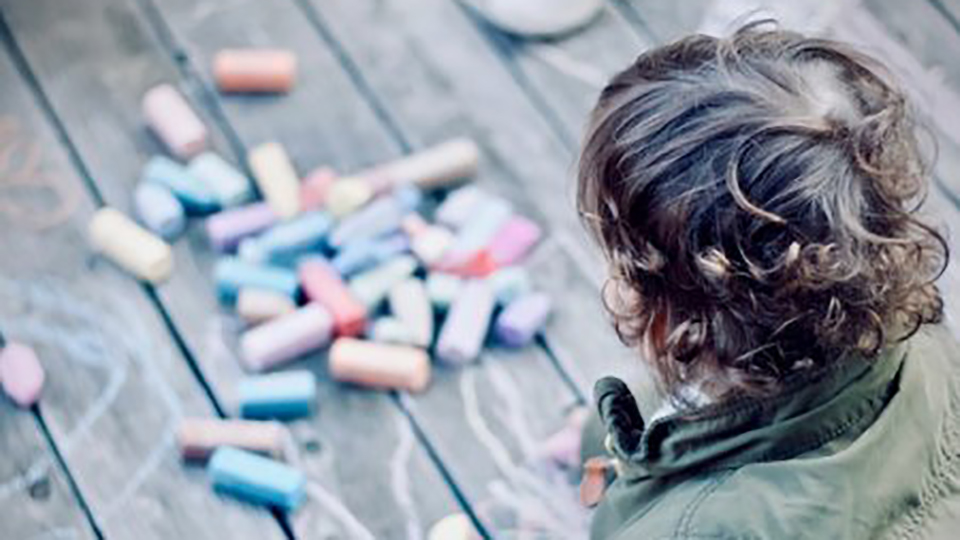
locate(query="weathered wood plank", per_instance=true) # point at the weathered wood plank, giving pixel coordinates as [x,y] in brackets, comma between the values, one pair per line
[373,420]
[116,384]
[228,24]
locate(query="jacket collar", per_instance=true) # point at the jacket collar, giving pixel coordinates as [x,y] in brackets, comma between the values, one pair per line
[806,414]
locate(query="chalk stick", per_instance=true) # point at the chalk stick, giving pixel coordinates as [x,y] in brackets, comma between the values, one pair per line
[200,437]
[313,190]
[478,231]
[159,211]
[477,264]
[256,306]
[563,447]
[371,287]
[510,283]
[465,329]
[130,246]
[286,241]
[428,242]
[255,70]
[195,197]
[514,240]
[286,338]
[276,178]
[379,366]
[174,122]
[460,205]
[322,284]
[390,330]
[21,374]
[594,481]
[365,254]
[520,321]
[230,186]
[346,195]
[232,274]
[285,395]
[433,167]
[453,527]
[256,479]
[443,289]
[410,304]
[226,229]
[380,217]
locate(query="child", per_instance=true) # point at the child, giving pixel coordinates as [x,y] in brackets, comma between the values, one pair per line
[755,197]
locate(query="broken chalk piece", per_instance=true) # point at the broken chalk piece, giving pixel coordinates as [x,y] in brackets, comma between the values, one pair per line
[256,478]
[322,284]
[226,229]
[276,178]
[200,437]
[290,394]
[372,286]
[130,246]
[256,306]
[380,217]
[286,337]
[460,205]
[232,274]
[230,186]
[159,210]
[410,304]
[514,240]
[254,70]
[284,242]
[520,321]
[21,374]
[175,123]
[427,242]
[391,330]
[379,366]
[433,167]
[443,289]
[313,190]
[346,195]
[465,329]
[510,283]
[196,198]
[453,527]
[365,254]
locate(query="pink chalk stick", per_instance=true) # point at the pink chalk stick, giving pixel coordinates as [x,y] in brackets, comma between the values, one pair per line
[226,229]
[172,119]
[379,366]
[286,337]
[322,284]
[514,240]
[21,374]
[313,190]
[466,326]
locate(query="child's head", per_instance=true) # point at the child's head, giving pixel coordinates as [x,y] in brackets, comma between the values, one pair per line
[755,197]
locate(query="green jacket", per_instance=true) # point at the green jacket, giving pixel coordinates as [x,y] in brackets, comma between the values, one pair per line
[867,450]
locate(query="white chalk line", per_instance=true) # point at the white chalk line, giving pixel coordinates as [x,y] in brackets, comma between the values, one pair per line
[400,478]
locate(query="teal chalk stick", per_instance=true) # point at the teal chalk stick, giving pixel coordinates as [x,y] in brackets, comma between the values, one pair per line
[255,478]
[190,191]
[231,274]
[229,185]
[288,394]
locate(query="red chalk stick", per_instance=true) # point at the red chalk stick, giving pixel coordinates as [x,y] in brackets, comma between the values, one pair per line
[322,284]
[21,374]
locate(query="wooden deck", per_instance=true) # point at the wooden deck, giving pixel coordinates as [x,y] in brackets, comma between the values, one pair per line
[377,78]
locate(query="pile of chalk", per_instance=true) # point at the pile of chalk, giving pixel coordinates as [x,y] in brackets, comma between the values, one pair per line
[383,267]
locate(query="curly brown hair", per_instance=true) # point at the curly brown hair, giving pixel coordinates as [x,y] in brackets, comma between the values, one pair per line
[757,198]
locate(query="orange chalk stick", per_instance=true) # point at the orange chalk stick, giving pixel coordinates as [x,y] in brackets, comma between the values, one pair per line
[255,70]
[379,366]
[199,437]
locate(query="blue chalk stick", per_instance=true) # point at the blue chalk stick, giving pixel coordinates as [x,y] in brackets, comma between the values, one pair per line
[230,186]
[231,274]
[256,478]
[365,254]
[191,192]
[159,210]
[288,394]
[380,217]
[480,229]
[286,241]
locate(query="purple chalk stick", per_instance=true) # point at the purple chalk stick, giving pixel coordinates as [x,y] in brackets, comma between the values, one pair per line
[522,319]
[466,326]
[226,229]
